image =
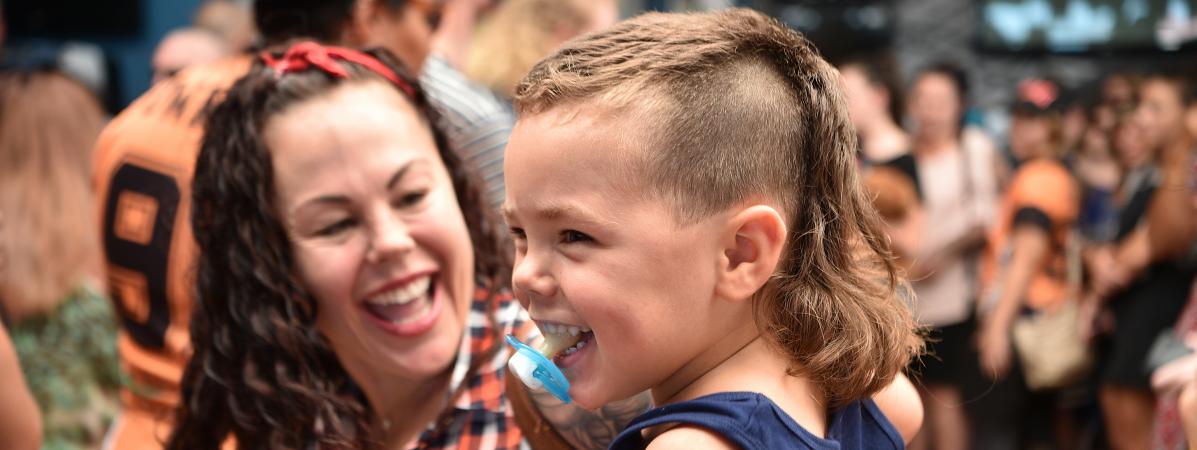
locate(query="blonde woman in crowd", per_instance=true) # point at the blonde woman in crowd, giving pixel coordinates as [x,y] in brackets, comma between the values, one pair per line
[61,326]
[521,32]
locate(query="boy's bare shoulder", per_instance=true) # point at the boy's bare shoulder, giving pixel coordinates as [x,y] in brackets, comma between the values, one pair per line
[689,437]
[901,404]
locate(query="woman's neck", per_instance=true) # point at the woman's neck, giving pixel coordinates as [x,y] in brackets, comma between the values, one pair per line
[752,365]
[935,142]
[403,408]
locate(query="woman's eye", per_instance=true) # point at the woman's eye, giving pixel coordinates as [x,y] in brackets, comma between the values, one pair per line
[336,228]
[411,198]
[573,236]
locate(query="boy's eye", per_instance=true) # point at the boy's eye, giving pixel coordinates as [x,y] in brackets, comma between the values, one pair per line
[573,236]
[336,228]
[517,233]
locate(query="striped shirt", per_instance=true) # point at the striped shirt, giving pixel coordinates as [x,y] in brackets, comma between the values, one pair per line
[482,416]
[476,123]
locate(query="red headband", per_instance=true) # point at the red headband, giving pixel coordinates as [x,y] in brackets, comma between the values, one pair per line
[1039,92]
[307,54]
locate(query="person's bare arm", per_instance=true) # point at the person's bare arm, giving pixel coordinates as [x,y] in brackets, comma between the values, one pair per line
[971,240]
[452,37]
[20,418]
[585,429]
[1117,268]
[1029,248]
[1187,406]
[1171,213]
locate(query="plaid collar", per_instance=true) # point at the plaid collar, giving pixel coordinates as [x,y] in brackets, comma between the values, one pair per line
[485,388]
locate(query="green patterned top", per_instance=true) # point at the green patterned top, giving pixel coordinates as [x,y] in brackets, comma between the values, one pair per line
[70,363]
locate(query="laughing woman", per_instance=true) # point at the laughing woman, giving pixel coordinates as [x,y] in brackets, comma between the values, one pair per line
[352,288]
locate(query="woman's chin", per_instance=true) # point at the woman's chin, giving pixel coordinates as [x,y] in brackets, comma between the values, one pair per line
[425,362]
[433,355]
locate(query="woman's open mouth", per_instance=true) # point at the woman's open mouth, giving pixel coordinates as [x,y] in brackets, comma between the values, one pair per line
[409,309]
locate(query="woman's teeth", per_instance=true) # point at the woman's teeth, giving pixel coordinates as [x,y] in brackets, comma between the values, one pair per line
[403,294]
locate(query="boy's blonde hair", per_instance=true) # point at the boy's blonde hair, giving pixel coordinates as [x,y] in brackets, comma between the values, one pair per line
[742,108]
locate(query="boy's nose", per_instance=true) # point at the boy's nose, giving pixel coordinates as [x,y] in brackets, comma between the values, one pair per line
[531,277]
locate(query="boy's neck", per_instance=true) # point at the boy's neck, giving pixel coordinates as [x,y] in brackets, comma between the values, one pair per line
[746,361]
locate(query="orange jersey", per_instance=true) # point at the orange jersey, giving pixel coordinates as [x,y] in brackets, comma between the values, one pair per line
[1045,186]
[144,163]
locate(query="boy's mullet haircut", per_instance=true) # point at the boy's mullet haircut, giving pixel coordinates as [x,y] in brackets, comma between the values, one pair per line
[744,107]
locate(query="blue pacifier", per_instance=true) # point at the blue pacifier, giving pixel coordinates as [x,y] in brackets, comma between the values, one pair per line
[536,371]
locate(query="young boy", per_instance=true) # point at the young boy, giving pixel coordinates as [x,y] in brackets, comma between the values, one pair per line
[683,197]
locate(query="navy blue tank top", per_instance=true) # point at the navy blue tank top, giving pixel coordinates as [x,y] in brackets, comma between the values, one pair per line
[752,421]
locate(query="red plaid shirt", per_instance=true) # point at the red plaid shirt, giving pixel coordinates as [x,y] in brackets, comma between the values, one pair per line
[482,417]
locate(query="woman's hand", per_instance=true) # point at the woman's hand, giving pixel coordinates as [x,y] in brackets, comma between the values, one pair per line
[1175,375]
[1087,312]
[1106,275]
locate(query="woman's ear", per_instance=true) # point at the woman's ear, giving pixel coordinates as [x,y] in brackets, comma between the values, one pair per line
[752,246]
[357,32]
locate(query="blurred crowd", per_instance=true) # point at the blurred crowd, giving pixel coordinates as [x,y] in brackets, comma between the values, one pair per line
[1053,267]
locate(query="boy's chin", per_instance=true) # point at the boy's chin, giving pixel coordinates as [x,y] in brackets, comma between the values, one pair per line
[590,398]
[588,401]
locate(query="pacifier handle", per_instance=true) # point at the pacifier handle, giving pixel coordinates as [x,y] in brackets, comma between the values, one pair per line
[547,373]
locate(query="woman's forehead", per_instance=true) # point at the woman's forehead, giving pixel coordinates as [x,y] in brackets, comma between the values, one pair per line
[352,129]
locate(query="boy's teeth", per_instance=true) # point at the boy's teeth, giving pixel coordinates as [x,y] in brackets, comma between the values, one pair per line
[403,294]
[575,348]
[554,328]
[555,342]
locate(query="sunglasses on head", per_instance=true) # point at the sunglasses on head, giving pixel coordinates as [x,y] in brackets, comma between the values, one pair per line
[432,10]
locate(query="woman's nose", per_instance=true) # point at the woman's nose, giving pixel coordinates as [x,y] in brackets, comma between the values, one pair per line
[390,238]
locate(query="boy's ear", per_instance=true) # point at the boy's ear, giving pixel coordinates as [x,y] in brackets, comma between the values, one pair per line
[752,245]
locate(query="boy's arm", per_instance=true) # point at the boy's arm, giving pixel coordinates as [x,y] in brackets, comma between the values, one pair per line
[690,437]
[585,429]
[901,405]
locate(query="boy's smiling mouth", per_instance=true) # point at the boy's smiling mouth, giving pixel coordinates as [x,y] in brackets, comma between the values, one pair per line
[562,341]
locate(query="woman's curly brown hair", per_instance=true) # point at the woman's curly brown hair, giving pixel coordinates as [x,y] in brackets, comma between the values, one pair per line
[261,372]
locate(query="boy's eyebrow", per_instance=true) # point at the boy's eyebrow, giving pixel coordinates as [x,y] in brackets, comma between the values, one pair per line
[554,211]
